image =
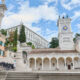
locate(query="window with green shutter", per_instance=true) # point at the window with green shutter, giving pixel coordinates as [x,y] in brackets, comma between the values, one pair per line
[0,52]
[1,43]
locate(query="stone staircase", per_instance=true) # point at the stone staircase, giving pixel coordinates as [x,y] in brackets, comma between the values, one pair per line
[21,76]
[3,75]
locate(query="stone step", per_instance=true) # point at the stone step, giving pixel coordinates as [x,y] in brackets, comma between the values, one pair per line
[21,76]
[21,79]
[3,75]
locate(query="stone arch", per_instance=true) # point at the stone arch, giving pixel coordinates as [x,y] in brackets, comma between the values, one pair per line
[69,63]
[61,63]
[32,63]
[53,63]
[46,63]
[39,63]
[76,62]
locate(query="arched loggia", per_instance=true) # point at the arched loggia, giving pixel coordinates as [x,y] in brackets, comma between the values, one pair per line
[76,62]
[61,63]
[69,63]
[46,63]
[53,63]
[39,63]
[32,63]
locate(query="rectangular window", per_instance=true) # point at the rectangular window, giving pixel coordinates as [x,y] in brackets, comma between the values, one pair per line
[0,52]
[1,43]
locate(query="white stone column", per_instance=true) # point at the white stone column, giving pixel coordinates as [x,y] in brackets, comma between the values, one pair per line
[65,64]
[73,63]
[50,64]
[42,64]
[28,63]
[79,62]
[57,64]
[35,64]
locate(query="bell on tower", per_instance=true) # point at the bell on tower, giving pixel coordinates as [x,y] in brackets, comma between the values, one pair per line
[3,1]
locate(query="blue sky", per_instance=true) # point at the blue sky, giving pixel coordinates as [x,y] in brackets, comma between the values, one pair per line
[41,15]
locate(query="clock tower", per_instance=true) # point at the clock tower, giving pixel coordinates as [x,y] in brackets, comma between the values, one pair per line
[65,34]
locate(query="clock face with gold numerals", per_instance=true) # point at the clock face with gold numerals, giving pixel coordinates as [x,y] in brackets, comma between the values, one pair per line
[65,28]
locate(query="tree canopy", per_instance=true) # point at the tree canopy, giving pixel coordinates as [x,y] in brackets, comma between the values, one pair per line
[22,36]
[30,44]
[76,36]
[4,32]
[15,38]
[54,42]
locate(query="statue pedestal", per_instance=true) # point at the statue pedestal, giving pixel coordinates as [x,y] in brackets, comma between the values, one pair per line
[20,65]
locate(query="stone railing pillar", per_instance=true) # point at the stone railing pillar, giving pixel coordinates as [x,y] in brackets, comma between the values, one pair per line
[42,64]
[57,64]
[65,64]
[73,63]
[35,64]
[50,64]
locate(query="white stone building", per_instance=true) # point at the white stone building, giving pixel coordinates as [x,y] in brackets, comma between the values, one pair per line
[65,57]
[31,36]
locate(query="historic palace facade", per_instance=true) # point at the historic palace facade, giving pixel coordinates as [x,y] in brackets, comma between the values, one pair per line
[65,57]
[31,36]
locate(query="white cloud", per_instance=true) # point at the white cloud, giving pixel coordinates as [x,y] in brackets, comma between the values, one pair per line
[29,15]
[49,1]
[70,4]
[76,15]
[78,26]
[51,34]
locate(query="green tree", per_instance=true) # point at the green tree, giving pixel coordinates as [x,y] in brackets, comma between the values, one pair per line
[4,32]
[22,36]
[76,36]
[15,38]
[33,47]
[54,42]
[29,43]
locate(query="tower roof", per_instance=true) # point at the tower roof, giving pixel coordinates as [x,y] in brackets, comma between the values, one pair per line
[3,1]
